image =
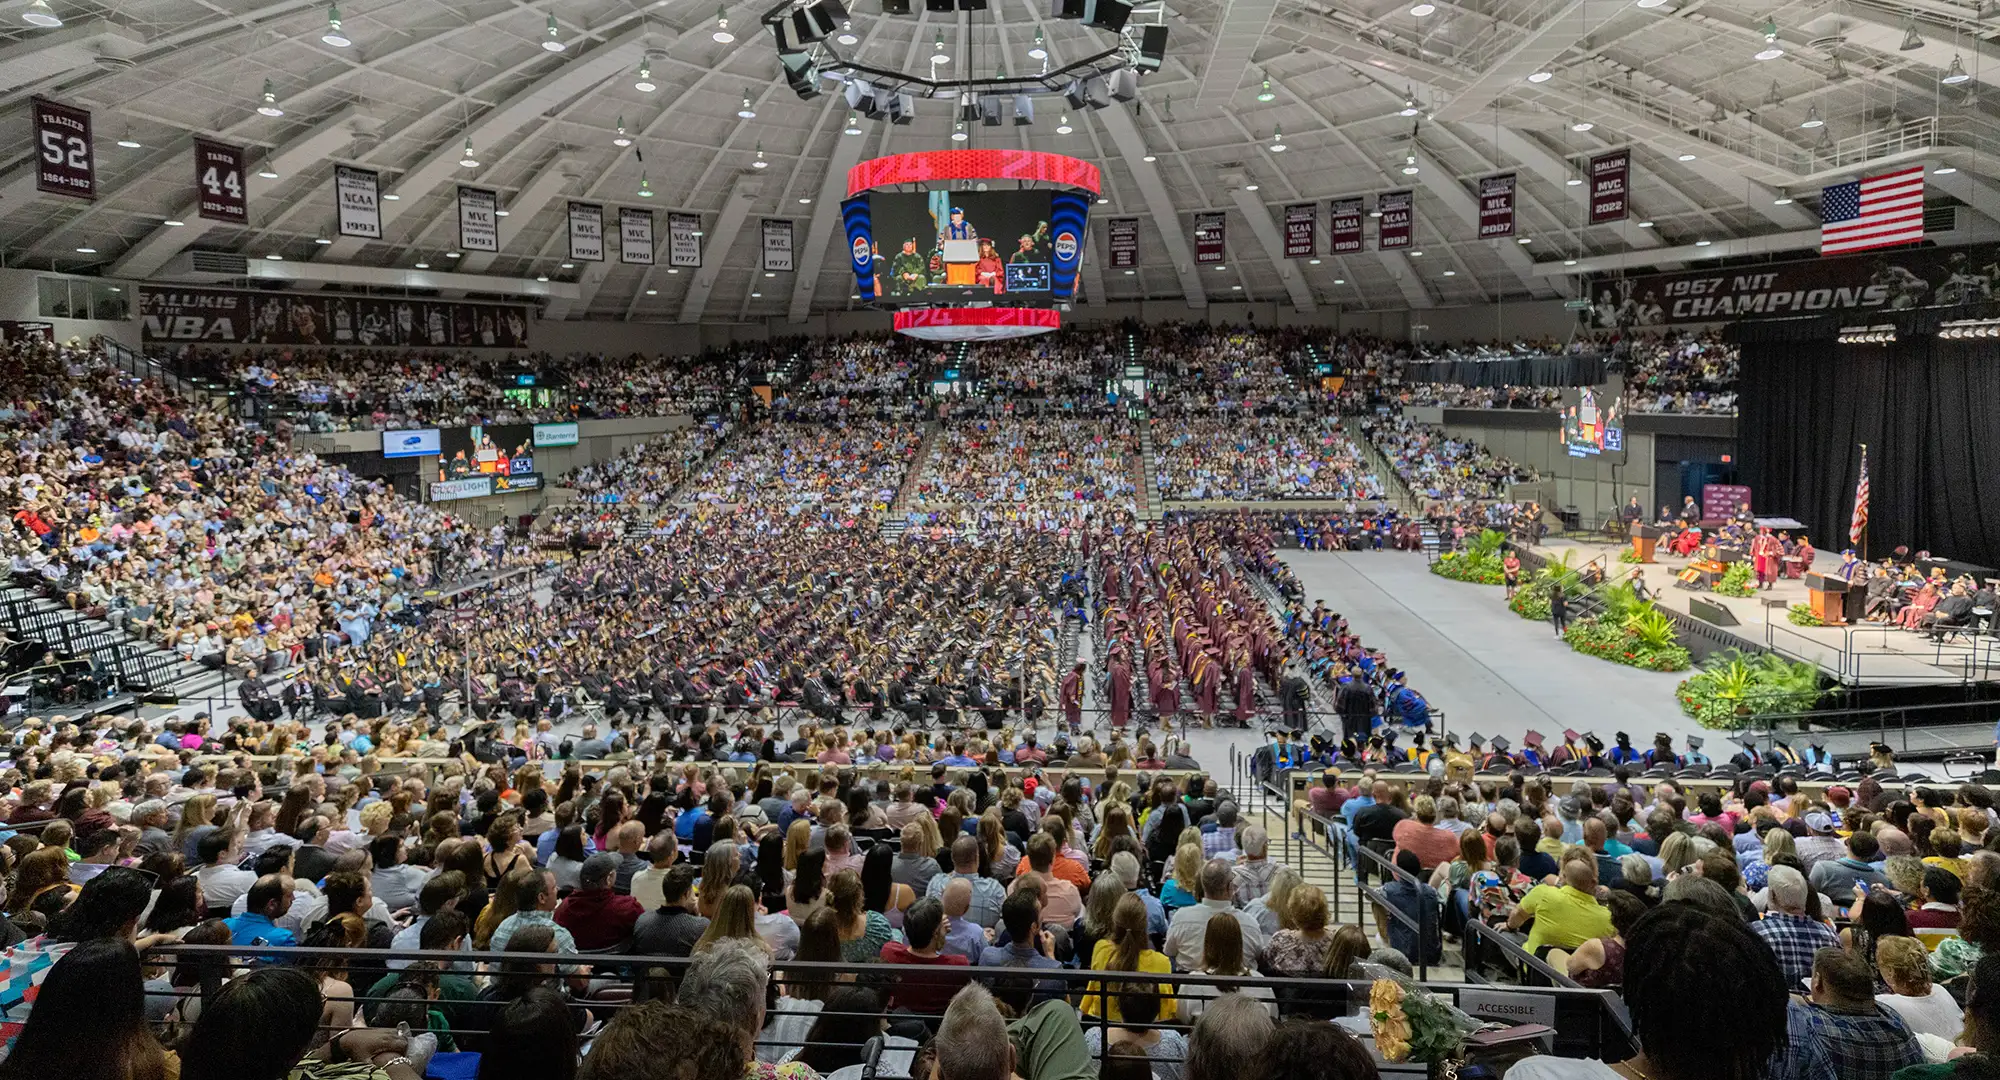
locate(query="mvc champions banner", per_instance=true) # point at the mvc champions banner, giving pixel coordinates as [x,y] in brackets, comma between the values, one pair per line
[1608,176]
[1861,284]
[1124,235]
[218,182]
[586,232]
[1210,238]
[478,219]
[635,236]
[777,245]
[683,239]
[65,157]
[358,194]
[1301,230]
[1344,218]
[231,317]
[1496,206]
[1397,226]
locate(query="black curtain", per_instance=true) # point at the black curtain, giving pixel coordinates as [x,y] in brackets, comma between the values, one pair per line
[1558,370]
[1929,410]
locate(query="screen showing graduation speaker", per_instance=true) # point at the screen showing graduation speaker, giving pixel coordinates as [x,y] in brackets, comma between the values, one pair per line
[486,450]
[1593,421]
[1020,248]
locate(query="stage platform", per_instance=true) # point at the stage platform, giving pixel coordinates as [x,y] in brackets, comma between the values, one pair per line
[1863,655]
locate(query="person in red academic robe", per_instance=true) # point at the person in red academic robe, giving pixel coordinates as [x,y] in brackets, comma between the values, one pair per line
[1206,676]
[1166,693]
[1805,559]
[989,271]
[1121,692]
[1070,694]
[1246,693]
[1764,555]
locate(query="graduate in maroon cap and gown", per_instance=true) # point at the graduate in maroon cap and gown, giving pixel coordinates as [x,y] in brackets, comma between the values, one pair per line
[1070,694]
[1121,692]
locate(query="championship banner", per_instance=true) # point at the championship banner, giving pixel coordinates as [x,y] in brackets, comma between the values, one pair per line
[1397,226]
[478,219]
[635,236]
[1344,219]
[66,162]
[171,314]
[1210,238]
[1608,176]
[218,182]
[1860,285]
[777,245]
[683,239]
[586,232]
[1124,235]
[1496,206]
[1301,230]
[358,194]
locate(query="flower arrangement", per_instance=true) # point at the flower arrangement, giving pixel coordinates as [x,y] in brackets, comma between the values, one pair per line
[1409,1023]
[1801,615]
[1645,640]
[1738,581]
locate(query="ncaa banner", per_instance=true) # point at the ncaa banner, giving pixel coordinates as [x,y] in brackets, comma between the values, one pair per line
[683,239]
[1124,236]
[586,232]
[1301,230]
[1344,218]
[777,245]
[65,156]
[218,182]
[635,236]
[1210,238]
[1496,206]
[1398,221]
[1609,174]
[478,219]
[358,193]
[1069,213]
[861,255]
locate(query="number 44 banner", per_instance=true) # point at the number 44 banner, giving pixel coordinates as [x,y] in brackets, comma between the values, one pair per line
[218,182]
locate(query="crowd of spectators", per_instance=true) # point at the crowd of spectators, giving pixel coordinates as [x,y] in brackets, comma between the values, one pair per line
[1437,466]
[1039,471]
[1259,457]
[1682,372]
[1072,365]
[842,471]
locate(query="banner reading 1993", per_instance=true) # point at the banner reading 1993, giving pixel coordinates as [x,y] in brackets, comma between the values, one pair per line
[478,219]
[358,195]
[1344,218]
[1301,230]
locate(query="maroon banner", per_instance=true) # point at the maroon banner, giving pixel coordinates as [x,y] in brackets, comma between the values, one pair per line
[1397,226]
[1608,176]
[1124,242]
[218,182]
[1720,502]
[1301,230]
[1496,206]
[1344,218]
[66,162]
[1210,238]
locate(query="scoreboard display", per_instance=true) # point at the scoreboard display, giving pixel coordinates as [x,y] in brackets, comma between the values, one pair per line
[928,248]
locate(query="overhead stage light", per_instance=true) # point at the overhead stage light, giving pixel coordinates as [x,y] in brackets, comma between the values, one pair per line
[1771,50]
[127,141]
[1037,51]
[621,139]
[1955,74]
[268,101]
[747,111]
[1410,165]
[1409,104]
[645,84]
[1423,9]
[1541,76]
[1062,125]
[759,162]
[1266,94]
[1582,125]
[847,36]
[722,33]
[1812,119]
[645,187]
[1277,140]
[468,161]
[552,39]
[853,124]
[333,35]
[958,132]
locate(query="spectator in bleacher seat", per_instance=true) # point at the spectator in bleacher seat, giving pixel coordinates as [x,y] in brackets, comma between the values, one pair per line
[1837,877]
[1188,928]
[657,1041]
[924,926]
[1565,915]
[1903,967]
[596,915]
[1232,1031]
[1254,868]
[1841,1028]
[1421,836]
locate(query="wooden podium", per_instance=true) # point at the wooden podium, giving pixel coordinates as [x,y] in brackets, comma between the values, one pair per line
[1645,538]
[1827,596]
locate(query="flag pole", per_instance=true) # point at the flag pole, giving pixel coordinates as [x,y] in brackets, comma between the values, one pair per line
[1871,517]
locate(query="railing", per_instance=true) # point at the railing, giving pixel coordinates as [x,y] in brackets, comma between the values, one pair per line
[1962,654]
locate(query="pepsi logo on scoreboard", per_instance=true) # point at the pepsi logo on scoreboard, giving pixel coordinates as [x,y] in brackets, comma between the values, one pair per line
[855,216]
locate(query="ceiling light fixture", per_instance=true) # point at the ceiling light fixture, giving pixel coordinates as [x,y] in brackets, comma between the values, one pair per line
[275,257]
[1771,50]
[322,240]
[1812,119]
[853,124]
[1645,224]
[333,35]
[1036,51]
[1410,165]
[1720,115]
[722,33]
[1684,157]
[1062,125]
[1573,181]
[1423,9]
[1277,140]
[268,173]
[1651,3]
[1149,158]
[1104,200]
[127,141]
[1955,74]
[1911,42]
[805,200]
[621,139]
[501,213]
[645,187]
[1409,104]
[541,277]
[1312,262]
[1541,76]
[40,14]
[1130,273]
[938,55]
[1250,187]
[1569,262]
[1417,254]
[1825,143]
[420,264]
[552,40]
[173,223]
[1267,94]
[1944,170]
[1774,98]
[748,111]
[387,196]
[468,161]
[652,292]
[86,251]
[759,162]
[1582,125]
[569,266]
[1451,273]
[847,34]
[451,255]
[1524,240]
[645,84]
[1340,281]
[1703,243]
[958,132]
[1782,200]
[268,101]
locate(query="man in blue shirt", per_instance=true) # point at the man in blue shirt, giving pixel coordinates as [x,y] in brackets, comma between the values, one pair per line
[1029,946]
[269,898]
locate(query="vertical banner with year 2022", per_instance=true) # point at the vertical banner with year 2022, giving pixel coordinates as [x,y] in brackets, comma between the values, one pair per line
[65,157]
[1496,206]
[218,182]
[1343,220]
[1396,228]
[1124,236]
[1301,230]
[1610,176]
[1211,239]
[357,193]
[586,232]
[478,219]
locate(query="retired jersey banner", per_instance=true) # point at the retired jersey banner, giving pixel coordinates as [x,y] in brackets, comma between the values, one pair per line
[218,182]
[1496,206]
[683,239]
[1210,238]
[1124,234]
[1344,218]
[777,245]
[1609,174]
[358,194]
[478,219]
[1301,230]
[1397,227]
[635,236]
[586,232]
[65,157]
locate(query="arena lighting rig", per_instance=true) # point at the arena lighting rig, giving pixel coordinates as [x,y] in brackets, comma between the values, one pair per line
[808,33]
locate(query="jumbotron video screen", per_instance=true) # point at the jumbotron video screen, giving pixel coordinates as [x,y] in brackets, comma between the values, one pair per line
[1019,248]
[1593,421]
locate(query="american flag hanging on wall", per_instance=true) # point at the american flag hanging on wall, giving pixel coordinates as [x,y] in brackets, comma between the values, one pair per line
[1860,523]
[1872,212]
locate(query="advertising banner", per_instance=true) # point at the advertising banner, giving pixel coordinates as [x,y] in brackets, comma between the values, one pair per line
[586,232]
[683,239]
[635,236]
[195,315]
[358,193]
[1344,219]
[218,182]
[1859,284]
[555,434]
[1301,230]
[414,442]
[1496,206]
[478,219]
[1398,222]
[1124,236]
[471,487]
[1210,238]
[1608,176]
[65,157]
[778,245]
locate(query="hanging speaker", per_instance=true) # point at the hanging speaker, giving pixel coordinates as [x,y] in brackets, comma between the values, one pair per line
[1066,9]
[895,7]
[1152,47]
[1107,14]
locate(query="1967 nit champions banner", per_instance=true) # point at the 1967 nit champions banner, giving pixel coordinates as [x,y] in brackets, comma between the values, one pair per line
[1892,281]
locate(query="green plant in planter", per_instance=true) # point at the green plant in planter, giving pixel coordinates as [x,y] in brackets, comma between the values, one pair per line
[1801,615]
[1738,580]
[1735,686]
[1479,563]
[1629,556]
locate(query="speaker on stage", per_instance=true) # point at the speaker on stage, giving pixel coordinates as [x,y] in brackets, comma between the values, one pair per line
[1709,611]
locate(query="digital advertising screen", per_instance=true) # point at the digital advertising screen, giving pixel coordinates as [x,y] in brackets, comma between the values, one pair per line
[555,434]
[486,450]
[411,443]
[1593,421]
[1019,248]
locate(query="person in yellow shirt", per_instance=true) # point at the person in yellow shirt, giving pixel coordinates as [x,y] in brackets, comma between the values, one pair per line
[1565,915]
[1947,844]
[1125,949]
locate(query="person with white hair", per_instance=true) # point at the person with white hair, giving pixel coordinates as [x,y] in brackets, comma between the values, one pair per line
[1254,867]
[1189,927]
[726,982]
[1792,935]
[1126,866]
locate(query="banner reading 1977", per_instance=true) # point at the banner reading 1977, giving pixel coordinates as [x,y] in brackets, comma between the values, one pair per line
[1301,230]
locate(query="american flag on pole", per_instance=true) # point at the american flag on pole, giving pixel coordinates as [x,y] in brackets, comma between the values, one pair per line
[1872,212]
[1860,523]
